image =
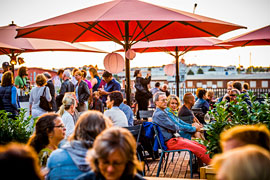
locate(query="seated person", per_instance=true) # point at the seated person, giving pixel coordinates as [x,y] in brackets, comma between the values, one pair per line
[248,163]
[186,130]
[117,116]
[201,101]
[210,98]
[245,134]
[97,103]
[185,112]
[168,128]
[128,112]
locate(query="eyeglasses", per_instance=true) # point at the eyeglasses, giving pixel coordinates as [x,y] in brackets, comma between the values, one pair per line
[114,164]
[163,100]
[60,126]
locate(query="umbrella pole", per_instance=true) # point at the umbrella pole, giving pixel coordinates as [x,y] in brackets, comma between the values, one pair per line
[177,70]
[128,91]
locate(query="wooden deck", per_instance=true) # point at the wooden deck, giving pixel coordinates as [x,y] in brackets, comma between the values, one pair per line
[178,168]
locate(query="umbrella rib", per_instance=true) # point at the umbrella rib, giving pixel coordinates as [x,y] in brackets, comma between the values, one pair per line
[186,23]
[155,30]
[119,29]
[37,29]
[134,33]
[139,24]
[246,43]
[142,30]
[112,37]
[3,51]
[90,27]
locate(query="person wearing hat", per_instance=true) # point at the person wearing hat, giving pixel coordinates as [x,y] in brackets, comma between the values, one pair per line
[5,67]
[52,90]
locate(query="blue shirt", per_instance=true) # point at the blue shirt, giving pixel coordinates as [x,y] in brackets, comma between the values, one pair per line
[113,85]
[128,112]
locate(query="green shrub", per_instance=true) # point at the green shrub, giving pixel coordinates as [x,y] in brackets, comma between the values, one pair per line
[18,130]
[231,114]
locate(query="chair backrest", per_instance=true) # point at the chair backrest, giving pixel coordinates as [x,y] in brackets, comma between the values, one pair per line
[187,119]
[155,126]
[146,114]
[135,131]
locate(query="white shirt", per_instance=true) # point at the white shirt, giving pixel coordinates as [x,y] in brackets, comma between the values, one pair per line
[117,116]
[69,123]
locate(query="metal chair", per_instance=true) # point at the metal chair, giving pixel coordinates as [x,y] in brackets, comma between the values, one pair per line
[167,152]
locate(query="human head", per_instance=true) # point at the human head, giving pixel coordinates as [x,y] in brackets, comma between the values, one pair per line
[164,87]
[68,103]
[246,86]
[89,125]
[49,126]
[5,66]
[157,84]
[93,72]
[74,71]
[83,74]
[22,71]
[200,93]
[245,134]
[66,74]
[229,85]
[243,163]
[137,73]
[107,76]
[114,154]
[60,73]
[233,94]
[160,100]
[78,75]
[41,80]
[173,102]
[115,98]
[210,94]
[7,79]
[237,85]
[47,75]
[18,161]
[189,99]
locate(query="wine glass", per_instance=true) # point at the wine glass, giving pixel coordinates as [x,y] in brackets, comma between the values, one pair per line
[207,118]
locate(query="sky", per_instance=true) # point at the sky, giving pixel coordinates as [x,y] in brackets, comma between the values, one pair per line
[249,13]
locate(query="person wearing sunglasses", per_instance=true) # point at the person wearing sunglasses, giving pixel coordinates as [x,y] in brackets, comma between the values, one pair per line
[49,131]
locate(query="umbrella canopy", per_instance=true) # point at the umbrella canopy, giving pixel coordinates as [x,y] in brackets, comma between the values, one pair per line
[178,47]
[257,37]
[8,33]
[126,22]
[5,47]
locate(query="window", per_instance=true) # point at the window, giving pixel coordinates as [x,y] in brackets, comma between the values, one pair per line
[199,84]
[265,84]
[220,84]
[252,84]
[189,83]
[209,83]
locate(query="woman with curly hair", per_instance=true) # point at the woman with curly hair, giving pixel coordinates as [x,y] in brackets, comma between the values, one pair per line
[21,79]
[49,131]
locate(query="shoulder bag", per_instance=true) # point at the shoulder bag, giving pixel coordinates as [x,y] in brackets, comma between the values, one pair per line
[44,104]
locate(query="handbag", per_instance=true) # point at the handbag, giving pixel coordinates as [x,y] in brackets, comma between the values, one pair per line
[44,104]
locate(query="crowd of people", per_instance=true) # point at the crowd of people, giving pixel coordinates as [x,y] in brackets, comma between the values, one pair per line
[82,136]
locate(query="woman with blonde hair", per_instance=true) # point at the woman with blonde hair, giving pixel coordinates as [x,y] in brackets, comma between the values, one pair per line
[186,129]
[244,163]
[113,157]
[68,162]
[35,94]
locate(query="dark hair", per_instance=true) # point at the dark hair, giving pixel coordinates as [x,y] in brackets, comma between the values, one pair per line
[60,71]
[89,125]
[7,79]
[22,71]
[45,124]
[136,72]
[117,97]
[106,74]
[201,93]
[237,85]
[246,86]
[157,84]
[83,73]
[18,161]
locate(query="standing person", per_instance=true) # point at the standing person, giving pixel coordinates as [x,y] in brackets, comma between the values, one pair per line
[153,91]
[66,86]
[117,116]
[113,157]
[68,162]
[95,79]
[18,161]
[52,90]
[8,95]
[168,128]
[165,89]
[142,95]
[73,78]
[57,81]
[90,99]
[5,67]
[49,131]
[111,85]
[35,94]
[82,92]
[21,79]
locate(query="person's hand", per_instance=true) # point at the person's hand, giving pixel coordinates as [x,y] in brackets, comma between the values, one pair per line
[197,126]
[101,92]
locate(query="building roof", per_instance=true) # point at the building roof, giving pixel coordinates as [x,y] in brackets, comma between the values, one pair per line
[228,77]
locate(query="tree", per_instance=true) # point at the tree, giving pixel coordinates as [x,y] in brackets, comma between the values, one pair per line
[200,71]
[212,69]
[190,72]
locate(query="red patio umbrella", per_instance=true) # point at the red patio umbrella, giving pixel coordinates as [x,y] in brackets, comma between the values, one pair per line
[126,22]
[178,47]
[22,45]
[6,47]
[253,38]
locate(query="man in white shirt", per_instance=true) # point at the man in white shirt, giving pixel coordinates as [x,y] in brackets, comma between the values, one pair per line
[117,116]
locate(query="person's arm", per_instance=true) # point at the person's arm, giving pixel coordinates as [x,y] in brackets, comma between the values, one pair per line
[182,125]
[14,97]
[48,94]
[93,81]
[163,120]
[69,124]
[86,92]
